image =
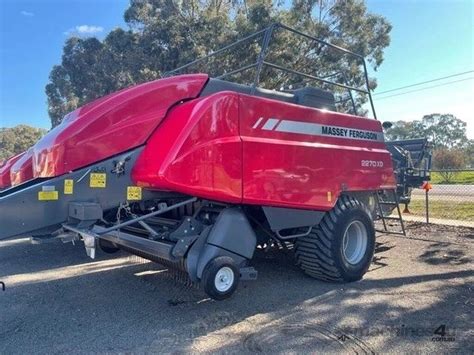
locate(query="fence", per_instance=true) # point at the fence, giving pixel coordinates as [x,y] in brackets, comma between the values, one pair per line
[451,199]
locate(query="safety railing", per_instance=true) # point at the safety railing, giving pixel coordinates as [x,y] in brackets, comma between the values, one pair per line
[259,45]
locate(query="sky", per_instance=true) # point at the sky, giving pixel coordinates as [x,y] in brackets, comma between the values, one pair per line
[430,39]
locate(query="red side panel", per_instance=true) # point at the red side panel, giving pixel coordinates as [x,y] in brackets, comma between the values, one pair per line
[242,149]
[5,180]
[22,169]
[288,162]
[197,151]
[111,125]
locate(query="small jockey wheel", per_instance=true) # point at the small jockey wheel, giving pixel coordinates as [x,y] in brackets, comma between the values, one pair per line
[220,278]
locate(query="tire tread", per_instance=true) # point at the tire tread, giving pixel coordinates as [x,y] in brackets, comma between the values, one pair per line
[313,252]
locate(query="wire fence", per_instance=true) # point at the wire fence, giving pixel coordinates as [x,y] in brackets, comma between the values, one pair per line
[450,200]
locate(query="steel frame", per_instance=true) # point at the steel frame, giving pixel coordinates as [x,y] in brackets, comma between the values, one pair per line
[261,63]
[131,220]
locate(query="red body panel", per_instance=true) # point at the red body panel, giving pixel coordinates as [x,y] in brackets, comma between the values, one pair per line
[5,180]
[226,147]
[304,170]
[197,151]
[222,148]
[111,125]
[22,169]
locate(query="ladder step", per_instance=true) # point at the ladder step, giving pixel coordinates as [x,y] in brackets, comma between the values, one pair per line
[389,232]
[396,204]
[392,218]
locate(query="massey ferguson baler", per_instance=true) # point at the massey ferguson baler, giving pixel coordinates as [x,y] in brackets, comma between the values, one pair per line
[196,173]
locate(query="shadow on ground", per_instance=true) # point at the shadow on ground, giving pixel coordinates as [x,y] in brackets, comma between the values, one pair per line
[444,253]
[58,301]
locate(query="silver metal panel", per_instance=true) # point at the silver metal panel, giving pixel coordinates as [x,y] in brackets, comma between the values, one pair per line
[270,124]
[22,213]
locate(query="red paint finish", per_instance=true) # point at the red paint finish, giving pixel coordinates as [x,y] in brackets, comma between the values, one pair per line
[212,148]
[111,125]
[22,169]
[196,150]
[5,180]
[299,170]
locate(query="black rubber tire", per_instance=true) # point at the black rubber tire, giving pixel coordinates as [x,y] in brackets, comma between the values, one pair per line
[209,275]
[108,247]
[320,254]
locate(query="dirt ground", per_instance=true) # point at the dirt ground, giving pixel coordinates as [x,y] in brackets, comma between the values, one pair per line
[417,297]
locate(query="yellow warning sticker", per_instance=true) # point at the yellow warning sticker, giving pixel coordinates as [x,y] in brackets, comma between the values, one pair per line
[48,195]
[68,186]
[98,180]
[134,193]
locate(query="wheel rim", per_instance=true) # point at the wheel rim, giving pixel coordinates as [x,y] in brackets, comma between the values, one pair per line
[354,243]
[224,279]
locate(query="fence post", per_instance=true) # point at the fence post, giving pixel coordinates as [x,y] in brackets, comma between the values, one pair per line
[427,187]
[427,208]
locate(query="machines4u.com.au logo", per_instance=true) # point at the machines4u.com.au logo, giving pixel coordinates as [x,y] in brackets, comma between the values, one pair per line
[442,333]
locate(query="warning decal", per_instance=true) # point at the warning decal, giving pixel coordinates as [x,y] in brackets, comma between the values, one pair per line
[98,180]
[48,195]
[134,193]
[68,186]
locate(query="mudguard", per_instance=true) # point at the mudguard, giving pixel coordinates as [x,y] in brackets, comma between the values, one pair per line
[231,236]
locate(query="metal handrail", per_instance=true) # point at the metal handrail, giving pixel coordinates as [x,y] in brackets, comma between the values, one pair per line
[271,65]
[237,70]
[212,54]
[261,62]
[319,40]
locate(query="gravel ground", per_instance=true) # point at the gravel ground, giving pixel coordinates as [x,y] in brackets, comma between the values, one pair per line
[57,301]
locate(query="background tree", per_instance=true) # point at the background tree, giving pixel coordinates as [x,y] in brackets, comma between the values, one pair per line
[165,34]
[442,130]
[401,130]
[18,139]
[469,154]
[447,135]
[447,160]
[445,130]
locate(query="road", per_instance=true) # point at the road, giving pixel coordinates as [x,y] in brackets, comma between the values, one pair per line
[464,193]
[57,301]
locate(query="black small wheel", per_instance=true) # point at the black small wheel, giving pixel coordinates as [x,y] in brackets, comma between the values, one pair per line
[341,247]
[108,247]
[220,278]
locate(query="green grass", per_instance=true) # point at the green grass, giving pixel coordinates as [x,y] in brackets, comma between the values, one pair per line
[462,177]
[463,211]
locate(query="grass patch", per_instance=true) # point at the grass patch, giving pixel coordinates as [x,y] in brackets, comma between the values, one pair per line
[461,177]
[462,211]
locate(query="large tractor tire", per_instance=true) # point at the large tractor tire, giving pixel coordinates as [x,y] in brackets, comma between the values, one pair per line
[341,247]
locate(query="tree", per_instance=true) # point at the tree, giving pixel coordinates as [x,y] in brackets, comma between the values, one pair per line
[401,130]
[445,130]
[469,153]
[448,160]
[165,34]
[18,139]
[442,130]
